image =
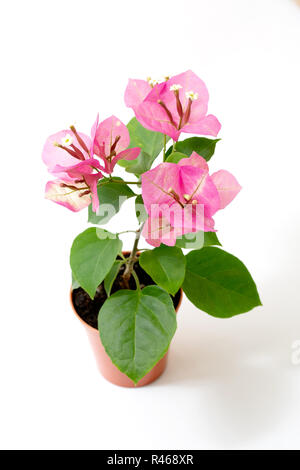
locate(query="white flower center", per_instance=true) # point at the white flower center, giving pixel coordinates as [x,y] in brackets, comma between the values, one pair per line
[152,81]
[175,87]
[191,95]
[67,140]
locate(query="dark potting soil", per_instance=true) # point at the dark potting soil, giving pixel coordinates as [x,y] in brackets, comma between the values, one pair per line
[88,309]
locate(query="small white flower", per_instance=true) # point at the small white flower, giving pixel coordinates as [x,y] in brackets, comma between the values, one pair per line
[67,140]
[175,87]
[152,81]
[191,95]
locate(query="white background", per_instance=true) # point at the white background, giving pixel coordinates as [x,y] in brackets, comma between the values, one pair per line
[229,383]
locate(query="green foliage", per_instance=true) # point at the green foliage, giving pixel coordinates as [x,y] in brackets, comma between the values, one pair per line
[197,240]
[111,197]
[111,276]
[166,266]
[151,144]
[140,210]
[203,146]
[175,157]
[92,255]
[219,283]
[136,328]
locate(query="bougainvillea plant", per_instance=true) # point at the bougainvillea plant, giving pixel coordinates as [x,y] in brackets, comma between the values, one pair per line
[176,198]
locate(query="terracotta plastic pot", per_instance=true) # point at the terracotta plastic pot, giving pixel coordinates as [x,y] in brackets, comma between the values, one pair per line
[109,371]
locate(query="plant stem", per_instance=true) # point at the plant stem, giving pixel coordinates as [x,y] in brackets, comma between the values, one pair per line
[174,146]
[165,145]
[123,257]
[132,257]
[126,231]
[138,286]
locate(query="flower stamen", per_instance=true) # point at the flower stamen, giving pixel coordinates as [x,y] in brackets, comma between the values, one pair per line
[79,139]
[84,193]
[69,150]
[162,104]
[175,89]
[187,113]
[175,196]
[113,147]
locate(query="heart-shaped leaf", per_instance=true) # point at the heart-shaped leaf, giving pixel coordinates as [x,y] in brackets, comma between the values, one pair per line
[219,283]
[92,255]
[136,328]
[166,266]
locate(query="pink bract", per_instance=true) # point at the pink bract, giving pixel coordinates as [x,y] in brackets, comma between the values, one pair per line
[57,192]
[54,155]
[168,108]
[182,198]
[79,183]
[110,141]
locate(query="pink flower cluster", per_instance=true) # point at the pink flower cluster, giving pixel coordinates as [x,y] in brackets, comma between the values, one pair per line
[176,105]
[70,156]
[182,198]
[179,198]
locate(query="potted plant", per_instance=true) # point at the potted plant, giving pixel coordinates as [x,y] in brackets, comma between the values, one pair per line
[132,297]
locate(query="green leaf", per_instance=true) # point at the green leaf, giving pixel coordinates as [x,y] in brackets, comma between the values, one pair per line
[166,266]
[111,197]
[203,146]
[140,210]
[151,144]
[175,157]
[111,276]
[219,283]
[197,240]
[92,255]
[136,328]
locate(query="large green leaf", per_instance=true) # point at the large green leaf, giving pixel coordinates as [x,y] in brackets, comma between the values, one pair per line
[92,255]
[140,210]
[111,197]
[150,143]
[166,266]
[136,328]
[219,283]
[203,146]
[197,240]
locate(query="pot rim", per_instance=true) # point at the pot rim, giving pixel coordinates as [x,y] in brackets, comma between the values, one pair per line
[96,329]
